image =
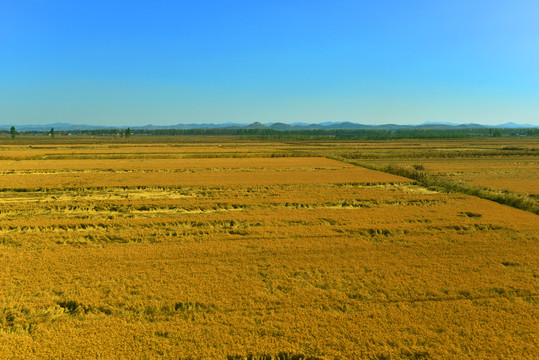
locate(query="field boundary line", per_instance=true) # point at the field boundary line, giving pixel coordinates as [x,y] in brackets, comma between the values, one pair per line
[518,201]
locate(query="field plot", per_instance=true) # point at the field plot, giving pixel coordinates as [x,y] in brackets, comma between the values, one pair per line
[506,165]
[520,175]
[107,150]
[210,258]
[32,174]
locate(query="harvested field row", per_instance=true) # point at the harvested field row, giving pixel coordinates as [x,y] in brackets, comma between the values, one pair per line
[176,218]
[180,147]
[169,164]
[128,171]
[96,200]
[114,209]
[265,177]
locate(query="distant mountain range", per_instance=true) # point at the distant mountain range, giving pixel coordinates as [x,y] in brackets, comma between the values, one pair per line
[275,126]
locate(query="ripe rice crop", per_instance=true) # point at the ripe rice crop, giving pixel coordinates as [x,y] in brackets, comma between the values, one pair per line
[218,258]
[183,172]
[512,174]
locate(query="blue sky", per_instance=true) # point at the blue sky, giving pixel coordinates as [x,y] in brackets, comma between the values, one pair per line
[168,62]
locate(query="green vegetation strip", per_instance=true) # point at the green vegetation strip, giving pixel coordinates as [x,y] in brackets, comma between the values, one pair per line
[417,173]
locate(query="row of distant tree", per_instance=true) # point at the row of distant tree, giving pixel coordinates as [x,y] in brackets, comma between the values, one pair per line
[123,133]
[313,133]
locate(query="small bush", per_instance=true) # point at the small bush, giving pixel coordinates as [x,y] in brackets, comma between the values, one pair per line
[470,214]
[73,307]
[190,306]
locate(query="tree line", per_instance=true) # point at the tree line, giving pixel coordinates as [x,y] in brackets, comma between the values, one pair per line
[370,134]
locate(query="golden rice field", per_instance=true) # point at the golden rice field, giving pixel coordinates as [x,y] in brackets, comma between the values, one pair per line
[517,175]
[192,250]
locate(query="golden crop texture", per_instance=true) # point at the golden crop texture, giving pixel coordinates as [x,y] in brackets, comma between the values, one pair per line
[150,252]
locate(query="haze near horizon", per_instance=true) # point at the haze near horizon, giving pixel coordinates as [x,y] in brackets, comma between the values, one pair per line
[164,62]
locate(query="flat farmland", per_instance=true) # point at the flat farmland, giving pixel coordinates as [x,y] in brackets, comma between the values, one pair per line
[165,172]
[104,149]
[520,175]
[264,249]
[500,164]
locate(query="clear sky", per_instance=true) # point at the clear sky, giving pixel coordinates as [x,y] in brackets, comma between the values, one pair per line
[167,62]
